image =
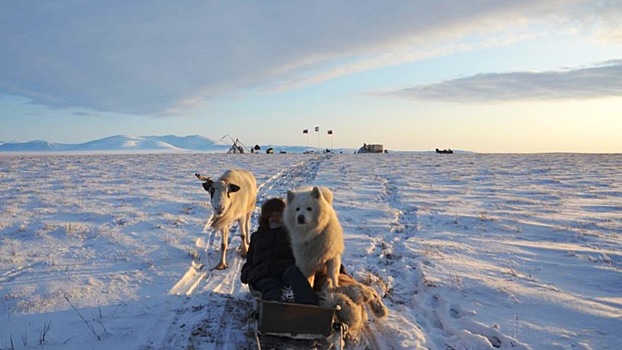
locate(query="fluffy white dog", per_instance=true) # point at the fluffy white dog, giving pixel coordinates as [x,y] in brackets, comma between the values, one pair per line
[315,233]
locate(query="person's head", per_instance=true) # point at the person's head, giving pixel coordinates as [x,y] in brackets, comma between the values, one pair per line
[272,213]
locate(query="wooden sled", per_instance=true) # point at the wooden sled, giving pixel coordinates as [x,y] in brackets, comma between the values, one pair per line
[297,321]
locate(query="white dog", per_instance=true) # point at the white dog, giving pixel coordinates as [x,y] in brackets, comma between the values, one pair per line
[315,232]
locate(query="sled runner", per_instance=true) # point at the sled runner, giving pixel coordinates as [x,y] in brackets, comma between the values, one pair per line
[275,321]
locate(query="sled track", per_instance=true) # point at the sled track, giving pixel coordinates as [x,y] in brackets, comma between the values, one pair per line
[432,312]
[213,314]
[303,173]
[390,245]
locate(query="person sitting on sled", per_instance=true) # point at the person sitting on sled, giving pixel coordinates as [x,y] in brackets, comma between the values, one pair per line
[270,265]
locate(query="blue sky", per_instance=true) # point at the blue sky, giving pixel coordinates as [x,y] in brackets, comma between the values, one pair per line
[484,76]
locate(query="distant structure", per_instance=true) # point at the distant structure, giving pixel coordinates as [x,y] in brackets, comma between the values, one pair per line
[237,148]
[270,150]
[444,151]
[371,148]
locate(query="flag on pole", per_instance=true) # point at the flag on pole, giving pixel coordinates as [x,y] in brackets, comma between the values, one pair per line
[317,128]
[330,132]
[305,131]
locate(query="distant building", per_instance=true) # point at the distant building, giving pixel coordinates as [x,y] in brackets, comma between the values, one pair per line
[371,148]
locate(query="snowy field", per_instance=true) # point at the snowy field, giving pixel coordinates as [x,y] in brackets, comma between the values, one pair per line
[469,251]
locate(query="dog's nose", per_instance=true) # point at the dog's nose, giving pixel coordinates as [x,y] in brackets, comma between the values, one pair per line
[219,210]
[301,219]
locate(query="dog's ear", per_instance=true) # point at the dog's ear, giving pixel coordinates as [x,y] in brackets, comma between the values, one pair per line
[316,192]
[290,196]
[324,192]
[233,188]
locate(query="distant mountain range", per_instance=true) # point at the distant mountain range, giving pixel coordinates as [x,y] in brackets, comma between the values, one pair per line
[119,143]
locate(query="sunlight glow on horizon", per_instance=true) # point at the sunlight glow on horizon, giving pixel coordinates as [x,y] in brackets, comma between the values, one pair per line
[512,77]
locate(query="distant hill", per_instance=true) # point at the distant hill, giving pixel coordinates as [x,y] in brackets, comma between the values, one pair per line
[120,143]
[169,143]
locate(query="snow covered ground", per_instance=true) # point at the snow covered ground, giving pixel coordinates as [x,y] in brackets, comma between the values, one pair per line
[470,251]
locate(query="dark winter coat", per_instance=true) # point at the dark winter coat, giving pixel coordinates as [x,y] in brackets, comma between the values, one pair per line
[269,255]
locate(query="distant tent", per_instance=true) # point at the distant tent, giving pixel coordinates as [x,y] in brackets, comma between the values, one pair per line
[237,148]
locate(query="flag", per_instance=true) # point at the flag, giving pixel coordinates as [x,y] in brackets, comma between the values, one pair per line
[317,128]
[330,132]
[305,131]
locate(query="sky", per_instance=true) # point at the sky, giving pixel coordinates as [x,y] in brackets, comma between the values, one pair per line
[483,76]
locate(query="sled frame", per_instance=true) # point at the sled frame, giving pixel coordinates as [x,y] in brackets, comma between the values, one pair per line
[298,321]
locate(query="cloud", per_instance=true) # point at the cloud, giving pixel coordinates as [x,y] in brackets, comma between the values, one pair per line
[601,18]
[85,114]
[163,57]
[399,57]
[602,80]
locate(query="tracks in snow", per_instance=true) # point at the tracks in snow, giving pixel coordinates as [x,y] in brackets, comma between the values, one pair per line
[430,311]
[303,173]
[389,244]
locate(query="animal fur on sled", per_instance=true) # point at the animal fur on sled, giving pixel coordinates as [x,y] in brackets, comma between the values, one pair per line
[354,298]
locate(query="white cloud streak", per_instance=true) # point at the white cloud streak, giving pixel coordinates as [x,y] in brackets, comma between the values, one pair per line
[604,80]
[162,57]
[399,57]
